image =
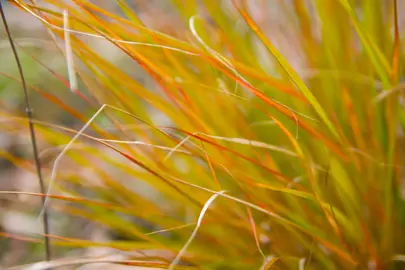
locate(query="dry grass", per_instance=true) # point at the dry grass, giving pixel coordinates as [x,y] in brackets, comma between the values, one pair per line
[297,115]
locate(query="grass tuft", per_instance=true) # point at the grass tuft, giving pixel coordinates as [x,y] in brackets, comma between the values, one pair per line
[298,115]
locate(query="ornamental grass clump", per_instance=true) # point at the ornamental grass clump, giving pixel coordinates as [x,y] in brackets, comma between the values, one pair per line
[226,134]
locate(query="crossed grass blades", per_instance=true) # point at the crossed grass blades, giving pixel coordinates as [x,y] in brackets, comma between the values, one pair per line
[220,146]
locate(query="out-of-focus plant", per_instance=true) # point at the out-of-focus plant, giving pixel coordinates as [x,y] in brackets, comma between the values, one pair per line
[239,135]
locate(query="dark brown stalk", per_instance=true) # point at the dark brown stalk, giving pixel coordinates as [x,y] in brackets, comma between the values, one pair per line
[28,111]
